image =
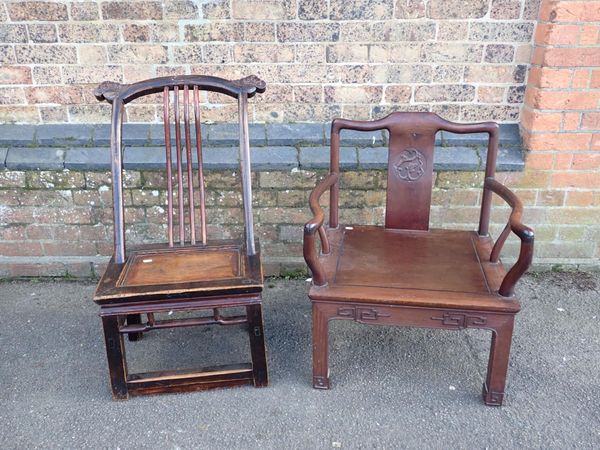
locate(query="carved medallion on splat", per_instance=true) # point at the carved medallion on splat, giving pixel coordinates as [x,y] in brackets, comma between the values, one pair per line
[410,165]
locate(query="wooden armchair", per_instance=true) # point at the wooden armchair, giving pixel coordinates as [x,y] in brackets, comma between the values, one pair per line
[406,273]
[188,272]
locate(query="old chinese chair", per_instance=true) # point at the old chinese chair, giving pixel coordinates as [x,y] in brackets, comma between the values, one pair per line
[188,272]
[405,273]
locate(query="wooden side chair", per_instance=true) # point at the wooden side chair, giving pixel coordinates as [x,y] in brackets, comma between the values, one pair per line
[405,273]
[188,272]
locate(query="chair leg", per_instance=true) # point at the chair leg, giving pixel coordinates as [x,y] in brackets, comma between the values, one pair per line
[115,352]
[134,319]
[320,337]
[257,345]
[493,389]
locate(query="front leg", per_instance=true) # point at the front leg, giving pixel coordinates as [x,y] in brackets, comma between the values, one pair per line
[493,389]
[320,336]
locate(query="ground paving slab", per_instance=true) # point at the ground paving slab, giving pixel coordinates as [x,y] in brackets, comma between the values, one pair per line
[391,387]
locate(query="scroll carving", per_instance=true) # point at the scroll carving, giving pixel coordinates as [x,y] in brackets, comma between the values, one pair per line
[461,320]
[410,165]
[250,82]
[360,314]
[107,90]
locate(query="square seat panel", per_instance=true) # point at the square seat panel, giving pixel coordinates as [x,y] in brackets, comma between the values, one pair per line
[158,269]
[437,268]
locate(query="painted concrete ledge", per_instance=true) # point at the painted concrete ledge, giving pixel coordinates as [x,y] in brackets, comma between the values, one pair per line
[274,147]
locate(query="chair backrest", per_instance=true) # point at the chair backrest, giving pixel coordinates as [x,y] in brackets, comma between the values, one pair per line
[177,94]
[410,165]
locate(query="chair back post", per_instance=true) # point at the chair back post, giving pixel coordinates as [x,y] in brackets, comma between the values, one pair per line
[334,191]
[490,172]
[117,176]
[120,94]
[245,172]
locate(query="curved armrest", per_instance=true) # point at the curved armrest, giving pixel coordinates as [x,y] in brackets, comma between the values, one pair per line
[516,226]
[314,225]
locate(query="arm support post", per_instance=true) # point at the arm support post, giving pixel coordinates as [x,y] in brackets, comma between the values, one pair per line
[316,225]
[516,226]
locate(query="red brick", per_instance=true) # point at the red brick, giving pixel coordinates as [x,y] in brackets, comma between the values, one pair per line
[591,121]
[551,198]
[553,34]
[13,233]
[589,35]
[563,161]
[581,79]
[571,121]
[582,198]
[15,75]
[539,161]
[595,142]
[37,231]
[27,248]
[580,180]
[70,248]
[586,161]
[37,270]
[540,121]
[560,141]
[595,82]
[570,11]
[541,99]
[571,57]
[550,78]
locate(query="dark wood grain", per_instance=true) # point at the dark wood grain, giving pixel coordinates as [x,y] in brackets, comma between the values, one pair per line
[406,273]
[210,275]
[172,266]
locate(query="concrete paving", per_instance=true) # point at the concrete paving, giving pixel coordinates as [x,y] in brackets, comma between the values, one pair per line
[391,387]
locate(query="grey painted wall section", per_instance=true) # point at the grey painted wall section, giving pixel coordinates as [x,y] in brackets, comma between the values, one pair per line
[274,147]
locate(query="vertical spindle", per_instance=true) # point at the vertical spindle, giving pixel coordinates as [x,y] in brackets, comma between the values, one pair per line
[188,158]
[169,174]
[200,165]
[179,169]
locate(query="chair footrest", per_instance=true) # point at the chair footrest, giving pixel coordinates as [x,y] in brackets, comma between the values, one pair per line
[177,323]
[189,379]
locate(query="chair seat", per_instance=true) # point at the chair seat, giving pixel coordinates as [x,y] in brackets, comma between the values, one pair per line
[435,268]
[219,267]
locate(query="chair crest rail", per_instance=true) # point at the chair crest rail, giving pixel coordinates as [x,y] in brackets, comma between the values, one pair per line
[110,90]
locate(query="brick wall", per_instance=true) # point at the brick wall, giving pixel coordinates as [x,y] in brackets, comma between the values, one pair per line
[359,58]
[466,60]
[561,128]
[60,222]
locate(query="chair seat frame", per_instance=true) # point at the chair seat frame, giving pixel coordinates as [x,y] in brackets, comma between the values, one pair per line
[122,307]
[325,308]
